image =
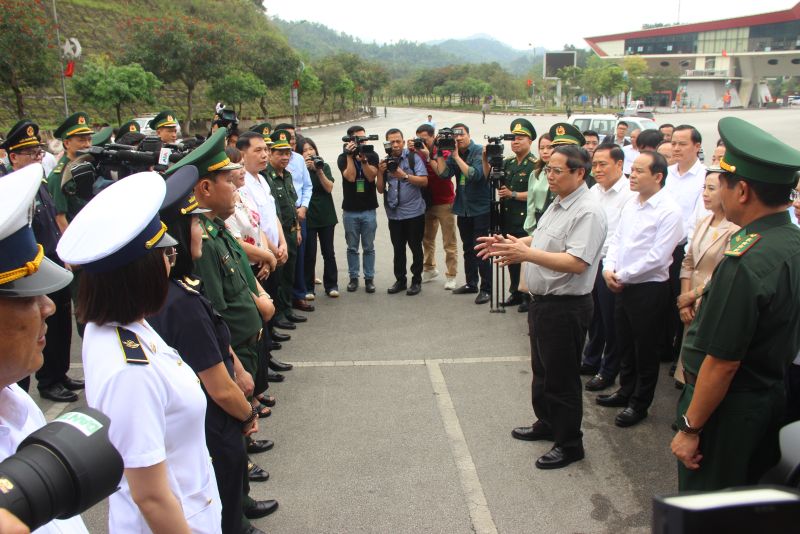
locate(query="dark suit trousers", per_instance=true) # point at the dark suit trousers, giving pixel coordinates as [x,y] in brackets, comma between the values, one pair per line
[673,339]
[557,330]
[407,232]
[641,315]
[601,349]
[470,229]
[59,338]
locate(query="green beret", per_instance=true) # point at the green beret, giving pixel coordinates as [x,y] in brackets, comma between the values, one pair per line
[208,157]
[23,134]
[130,126]
[752,153]
[564,133]
[523,127]
[264,129]
[103,136]
[75,124]
[280,139]
[165,119]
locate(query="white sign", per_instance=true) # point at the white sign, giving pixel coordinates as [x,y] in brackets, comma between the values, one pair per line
[72,48]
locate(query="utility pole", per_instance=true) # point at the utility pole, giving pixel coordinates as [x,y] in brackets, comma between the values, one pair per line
[60,60]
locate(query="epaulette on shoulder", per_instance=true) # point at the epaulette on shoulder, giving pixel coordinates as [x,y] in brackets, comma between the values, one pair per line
[131,347]
[741,244]
[58,168]
[184,284]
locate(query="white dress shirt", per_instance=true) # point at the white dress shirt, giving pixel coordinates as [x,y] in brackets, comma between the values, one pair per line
[612,200]
[630,156]
[257,189]
[300,179]
[641,248]
[19,417]
[685,189]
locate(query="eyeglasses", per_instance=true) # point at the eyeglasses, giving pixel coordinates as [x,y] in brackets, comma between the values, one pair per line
[33,153]
[794,195]
[171,253]
[556,171]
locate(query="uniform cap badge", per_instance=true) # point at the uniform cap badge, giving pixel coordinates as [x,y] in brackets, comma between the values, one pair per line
[29,131]
[560,130]
[81,120]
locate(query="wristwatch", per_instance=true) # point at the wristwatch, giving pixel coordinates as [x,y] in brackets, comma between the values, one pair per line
[514,195]
[685,427]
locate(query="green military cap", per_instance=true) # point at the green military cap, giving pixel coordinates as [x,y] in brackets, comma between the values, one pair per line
[165,119]
[75,124]
[523,127]
[752,153]
[103,136]
[264,129]
[23,134]
[130,126]
[280,139]
[564,133]
[208,157]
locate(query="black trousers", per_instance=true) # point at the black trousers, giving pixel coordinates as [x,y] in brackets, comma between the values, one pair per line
[229,458]
[557,331]
[407,232]
[329,271]
[601,349]
[59,339]
[470,229]
[285,277]
[641,314]
[673,335]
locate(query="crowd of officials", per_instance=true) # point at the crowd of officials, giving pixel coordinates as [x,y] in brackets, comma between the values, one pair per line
[624,250]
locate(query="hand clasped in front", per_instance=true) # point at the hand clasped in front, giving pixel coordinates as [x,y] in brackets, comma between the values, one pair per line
[502,250]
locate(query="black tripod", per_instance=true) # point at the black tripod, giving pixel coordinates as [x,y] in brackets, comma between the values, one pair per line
[496,178]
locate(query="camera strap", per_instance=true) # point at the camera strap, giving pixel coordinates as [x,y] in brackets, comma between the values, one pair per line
[359,176]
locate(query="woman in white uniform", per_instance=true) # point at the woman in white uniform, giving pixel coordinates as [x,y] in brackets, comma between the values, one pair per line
[153,398]
[26,277]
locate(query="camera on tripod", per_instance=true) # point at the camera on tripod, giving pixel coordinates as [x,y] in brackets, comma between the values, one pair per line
[494,155]
[392,162]
[360,141]
[446,140]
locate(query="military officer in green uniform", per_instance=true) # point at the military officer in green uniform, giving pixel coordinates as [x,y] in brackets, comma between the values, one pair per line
[282,188]
[513,194]
[102,136]
[75,135]
[166,126]
[264,128]
[747,328]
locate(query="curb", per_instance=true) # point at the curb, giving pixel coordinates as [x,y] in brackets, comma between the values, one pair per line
[314,126]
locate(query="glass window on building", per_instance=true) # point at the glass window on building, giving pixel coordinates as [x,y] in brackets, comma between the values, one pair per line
[778,36]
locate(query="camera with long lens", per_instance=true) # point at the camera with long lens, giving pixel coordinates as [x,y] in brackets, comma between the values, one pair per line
[319,163]
[494,155]
[61,470]
[418,143]
[360,141]
[446,140]
[392,162]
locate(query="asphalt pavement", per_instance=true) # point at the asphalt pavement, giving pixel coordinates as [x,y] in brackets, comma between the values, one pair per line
[397,416]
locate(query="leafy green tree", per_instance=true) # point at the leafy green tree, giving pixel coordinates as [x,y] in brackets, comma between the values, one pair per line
[106,85]
[331,75]
[270,58]
[236,88]
[637,73]
[28,60]
[182,49]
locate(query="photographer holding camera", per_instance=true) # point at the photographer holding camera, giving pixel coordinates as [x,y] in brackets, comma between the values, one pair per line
[359,166]
[400,179]
[461,157]
[513,194]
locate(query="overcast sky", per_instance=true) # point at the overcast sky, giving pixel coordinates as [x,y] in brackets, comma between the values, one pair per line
[516,23]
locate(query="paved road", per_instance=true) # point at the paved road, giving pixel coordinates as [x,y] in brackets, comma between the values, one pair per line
[397,416]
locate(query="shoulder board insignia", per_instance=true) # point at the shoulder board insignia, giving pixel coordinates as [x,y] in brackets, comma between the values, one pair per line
[131,347]
[191,281]
[742,244]
[186,288]
[59,168]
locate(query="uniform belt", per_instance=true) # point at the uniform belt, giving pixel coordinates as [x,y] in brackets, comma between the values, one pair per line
[556,298]
[689,377]
[252,340]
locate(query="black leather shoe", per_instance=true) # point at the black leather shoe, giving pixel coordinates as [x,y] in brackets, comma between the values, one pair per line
[397,287]
[260,509]
[352,285]
[598,383]
[629,417]
[513,300]
[559,457]
[277,365]
[483,297]
[277,336]
[58,393]
[255,446]
[302,305]
[286,325]
[73,384]
[293,317]
[523,308]
[465,289]
[272,376]
[256,474]
[274,345]
[538,431]
[588,370]
[369,285]
[414,290]
[614,400]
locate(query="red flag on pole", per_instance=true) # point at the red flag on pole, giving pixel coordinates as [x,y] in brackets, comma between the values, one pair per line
[724,53]
[70,70]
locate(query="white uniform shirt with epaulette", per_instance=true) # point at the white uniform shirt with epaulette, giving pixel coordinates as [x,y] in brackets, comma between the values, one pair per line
[157,409]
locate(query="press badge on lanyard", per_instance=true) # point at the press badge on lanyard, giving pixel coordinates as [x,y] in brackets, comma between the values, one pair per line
[360,185]
[463,180]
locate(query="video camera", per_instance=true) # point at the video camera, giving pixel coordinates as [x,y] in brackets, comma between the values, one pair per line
[494,154]
[226,118]
[62,469]
[392,162]
[446,140]
[360,141]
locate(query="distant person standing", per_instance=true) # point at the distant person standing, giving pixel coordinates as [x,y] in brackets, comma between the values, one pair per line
[484,111]
[430,121]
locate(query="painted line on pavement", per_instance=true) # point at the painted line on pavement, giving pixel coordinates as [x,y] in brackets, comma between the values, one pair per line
[479,513]
[436,361]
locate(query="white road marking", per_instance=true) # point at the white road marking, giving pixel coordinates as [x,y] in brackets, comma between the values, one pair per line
[437,361]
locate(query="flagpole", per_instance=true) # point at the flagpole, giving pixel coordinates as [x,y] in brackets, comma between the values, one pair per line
[60,60]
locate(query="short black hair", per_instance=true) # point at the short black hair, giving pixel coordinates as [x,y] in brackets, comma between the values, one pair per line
[667,125]
[614,151]
[771,195]
[649,139]
[125,294]
[620,123]
[720,142]
[355,128]
[233,154]
[461,125]
[696,137]
[243,142]
[285,126]
[658,164]
[301,145]
[427,128]
[577,157]
[591,133]
[392,131]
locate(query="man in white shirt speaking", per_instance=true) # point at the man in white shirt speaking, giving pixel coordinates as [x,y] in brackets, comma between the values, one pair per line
[636,268]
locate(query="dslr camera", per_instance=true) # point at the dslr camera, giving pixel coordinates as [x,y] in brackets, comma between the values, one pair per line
[446,140]
[418,143]
[494,154]
[361,144]
[392,162]
[319,163]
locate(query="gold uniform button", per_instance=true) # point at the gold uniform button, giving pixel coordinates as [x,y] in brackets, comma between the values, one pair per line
[232,270]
